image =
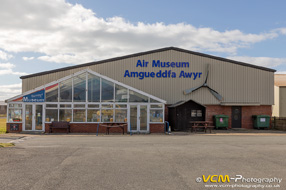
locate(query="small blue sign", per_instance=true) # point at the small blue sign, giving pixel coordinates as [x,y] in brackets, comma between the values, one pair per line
[38,96]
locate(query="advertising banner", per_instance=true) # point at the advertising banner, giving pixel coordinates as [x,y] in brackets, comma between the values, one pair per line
[38,96]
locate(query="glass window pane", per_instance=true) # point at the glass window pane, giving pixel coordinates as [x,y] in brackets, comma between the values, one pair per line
[51,105]
[156,115]
[107,91]
[93,105]
[199,113]
[15,115]
[107,115]
[133,117]
[136,97]
[28,117]
[66,91]
[39,117]
[93,88]
[93,115]
[107,105]
[52,93]
[15,105]
[65,115]
[120,106]
[143,117]
[154,101]
[78,115]
[79,87]
[120,116]
[157,106]
[51,115]
[120,93]
[194,113]
[65,105]
[79,105]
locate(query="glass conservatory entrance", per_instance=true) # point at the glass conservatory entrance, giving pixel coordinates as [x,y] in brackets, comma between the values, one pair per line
[83,98]
[138,118]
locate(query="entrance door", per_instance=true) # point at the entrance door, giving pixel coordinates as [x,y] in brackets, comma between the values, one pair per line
[39,117]
[236,117]
[28,117]
[34,117]
[138,118]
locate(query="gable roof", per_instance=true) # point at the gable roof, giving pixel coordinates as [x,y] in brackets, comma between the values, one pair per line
[145,53]
[183,102]
[78,73]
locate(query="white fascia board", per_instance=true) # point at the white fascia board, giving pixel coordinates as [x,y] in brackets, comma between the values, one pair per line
[78,73]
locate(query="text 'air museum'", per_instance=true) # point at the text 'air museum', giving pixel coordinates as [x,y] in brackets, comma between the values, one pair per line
[144,90]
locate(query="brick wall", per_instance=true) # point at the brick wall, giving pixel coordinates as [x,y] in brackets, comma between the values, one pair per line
[246,115]
[217,110]
[86,128]
[92,128]
[157,128]
[248,111]
[8,128]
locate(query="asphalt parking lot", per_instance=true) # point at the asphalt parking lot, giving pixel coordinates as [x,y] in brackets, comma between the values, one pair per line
[139,161]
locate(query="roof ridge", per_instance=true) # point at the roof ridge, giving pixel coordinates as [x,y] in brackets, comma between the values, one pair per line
[148,52]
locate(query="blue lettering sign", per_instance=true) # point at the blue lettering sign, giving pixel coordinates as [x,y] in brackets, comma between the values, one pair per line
[162,73]
[38,96]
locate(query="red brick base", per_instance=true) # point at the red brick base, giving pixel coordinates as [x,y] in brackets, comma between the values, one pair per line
[90,128]
[86,128]
[8,128]
[157,128]
[246,113]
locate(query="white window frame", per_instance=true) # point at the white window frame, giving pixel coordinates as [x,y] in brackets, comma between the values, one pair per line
[163,109]
[8,107]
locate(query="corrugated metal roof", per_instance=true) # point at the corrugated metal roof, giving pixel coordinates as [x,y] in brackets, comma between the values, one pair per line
[149,52]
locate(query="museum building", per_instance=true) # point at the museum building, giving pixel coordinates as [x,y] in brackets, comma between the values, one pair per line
[143,90]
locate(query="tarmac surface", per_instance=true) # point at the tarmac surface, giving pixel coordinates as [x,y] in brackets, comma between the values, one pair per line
[140,161]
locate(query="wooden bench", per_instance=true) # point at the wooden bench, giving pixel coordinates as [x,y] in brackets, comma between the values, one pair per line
[113,125]
[59,125]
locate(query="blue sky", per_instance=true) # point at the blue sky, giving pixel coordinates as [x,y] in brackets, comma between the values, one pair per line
[37,36]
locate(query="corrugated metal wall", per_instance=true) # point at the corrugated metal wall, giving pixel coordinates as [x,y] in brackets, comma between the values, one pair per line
[236,83]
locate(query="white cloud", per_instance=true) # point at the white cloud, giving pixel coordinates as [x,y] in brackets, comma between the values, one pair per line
[28,58]
[68,33]
[280,30]
[11,72]
[7,69]
[8,91]
[260,61]
[6,65]
[5,56]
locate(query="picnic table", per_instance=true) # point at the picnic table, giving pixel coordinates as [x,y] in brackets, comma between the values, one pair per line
[201,124]
[113,125]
